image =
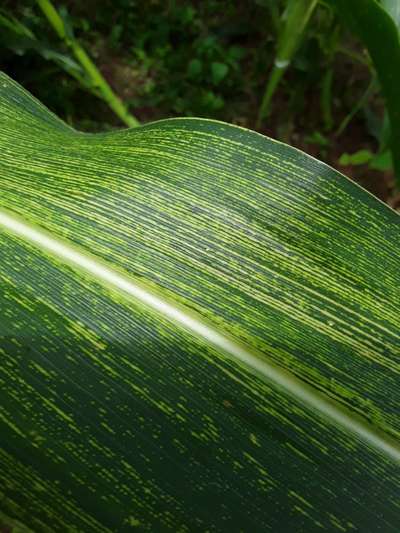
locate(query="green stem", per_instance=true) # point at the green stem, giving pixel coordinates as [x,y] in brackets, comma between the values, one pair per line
[327,80]
[90,68]
[273,82]
[354,56]
[326,99]
[295,19]
[360,103]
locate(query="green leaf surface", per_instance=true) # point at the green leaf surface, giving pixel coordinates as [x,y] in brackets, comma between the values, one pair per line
[361,157]
[377,29]
[218,71]
[199,331]
[382,161]
[393,8]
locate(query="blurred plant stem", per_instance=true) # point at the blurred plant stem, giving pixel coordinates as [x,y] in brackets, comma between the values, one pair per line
[95,76]
[361,102]
[294,21]
[326,94]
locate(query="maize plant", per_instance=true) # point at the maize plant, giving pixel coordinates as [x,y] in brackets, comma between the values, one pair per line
[199,331]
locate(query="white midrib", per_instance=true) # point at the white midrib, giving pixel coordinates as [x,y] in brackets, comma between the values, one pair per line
[187,320]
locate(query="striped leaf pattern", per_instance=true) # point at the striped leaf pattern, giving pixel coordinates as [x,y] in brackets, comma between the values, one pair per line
[199,331]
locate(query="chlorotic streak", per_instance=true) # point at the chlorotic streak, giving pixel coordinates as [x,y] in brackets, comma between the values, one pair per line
[196,325]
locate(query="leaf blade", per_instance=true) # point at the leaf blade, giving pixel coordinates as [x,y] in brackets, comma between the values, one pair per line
[154,427]
[150,205]
[182,231]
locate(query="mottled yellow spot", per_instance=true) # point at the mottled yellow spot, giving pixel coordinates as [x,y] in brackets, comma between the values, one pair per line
[254,440]
[132,521]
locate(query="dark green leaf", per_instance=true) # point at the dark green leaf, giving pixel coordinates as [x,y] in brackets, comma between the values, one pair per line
[393,8]
[378,31]
[194,68]
[218,71]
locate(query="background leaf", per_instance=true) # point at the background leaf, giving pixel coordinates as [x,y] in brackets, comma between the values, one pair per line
[393,8]
[219,71]
[379,33]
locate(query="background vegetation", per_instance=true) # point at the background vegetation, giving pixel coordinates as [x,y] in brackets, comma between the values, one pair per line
[211,59]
